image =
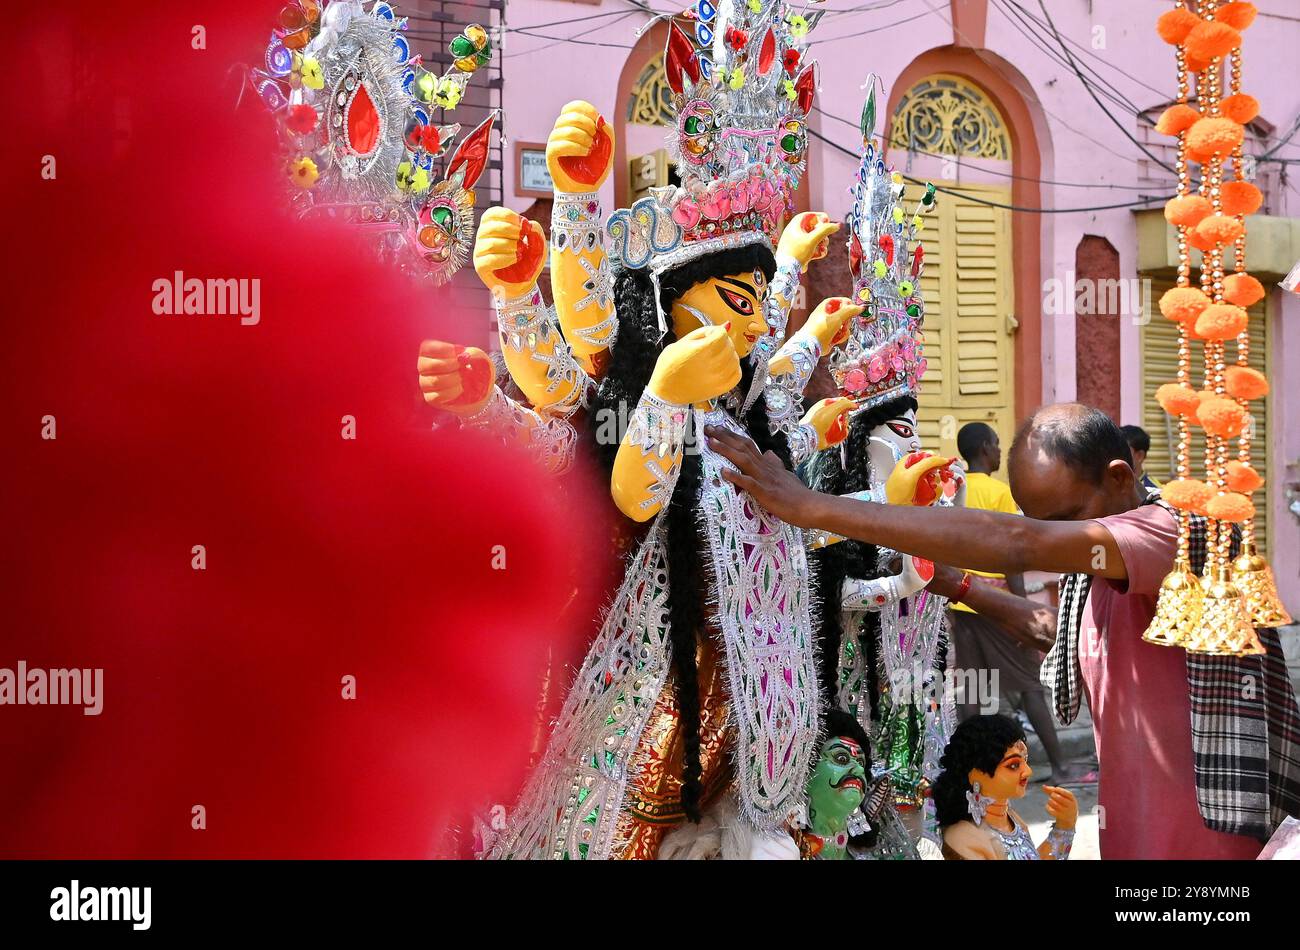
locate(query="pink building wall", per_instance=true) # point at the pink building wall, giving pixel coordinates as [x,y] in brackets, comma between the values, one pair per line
[1076,142]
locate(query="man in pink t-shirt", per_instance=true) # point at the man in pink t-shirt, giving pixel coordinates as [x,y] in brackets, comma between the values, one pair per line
[1141,715]
[1071,474]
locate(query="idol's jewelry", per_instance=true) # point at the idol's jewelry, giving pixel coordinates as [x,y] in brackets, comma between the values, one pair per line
[977,804]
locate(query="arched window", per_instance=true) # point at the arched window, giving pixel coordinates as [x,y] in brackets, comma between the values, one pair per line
[652,97]
[946,115]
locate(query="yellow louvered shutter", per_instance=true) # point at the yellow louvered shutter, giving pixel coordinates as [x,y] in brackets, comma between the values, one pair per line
[1160,365]
[968,304]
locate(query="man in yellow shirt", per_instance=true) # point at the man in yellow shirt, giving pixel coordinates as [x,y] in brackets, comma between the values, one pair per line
[983,645]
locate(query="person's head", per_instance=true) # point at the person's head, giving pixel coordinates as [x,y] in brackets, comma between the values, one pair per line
[1070,462]
[978,444]
[990,750]
[1139,444]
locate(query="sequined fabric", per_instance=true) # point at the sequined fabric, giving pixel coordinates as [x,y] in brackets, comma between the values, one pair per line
[654,795]
[761,585]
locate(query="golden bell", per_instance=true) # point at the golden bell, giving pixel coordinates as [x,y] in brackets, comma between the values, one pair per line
[1224,629]
[1178,608]
[1254,578]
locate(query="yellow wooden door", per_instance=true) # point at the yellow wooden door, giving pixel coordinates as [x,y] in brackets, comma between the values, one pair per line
[969,302]
[1160,365]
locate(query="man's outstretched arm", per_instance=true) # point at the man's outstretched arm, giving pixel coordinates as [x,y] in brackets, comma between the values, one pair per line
[1026,621]
[982,540]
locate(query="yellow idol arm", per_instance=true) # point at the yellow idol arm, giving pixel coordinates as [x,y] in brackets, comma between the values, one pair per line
[649,458]
[579,155]
[701,366]
[509,253]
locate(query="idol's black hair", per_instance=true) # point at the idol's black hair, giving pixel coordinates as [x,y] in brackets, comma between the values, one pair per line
[632,360]
[979,742]
[835,563]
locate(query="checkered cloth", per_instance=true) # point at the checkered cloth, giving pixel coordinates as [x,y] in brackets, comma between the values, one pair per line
[1245,724]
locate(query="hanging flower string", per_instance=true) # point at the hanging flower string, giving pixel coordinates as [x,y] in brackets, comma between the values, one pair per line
[1216,613]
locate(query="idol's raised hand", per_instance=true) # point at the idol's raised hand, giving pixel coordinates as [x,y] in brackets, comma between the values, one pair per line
[807,237]
[580,150]
[829,419]
[920,479]
[509,252]
[700,366]
[456,378]
[1062,806]
[764,476]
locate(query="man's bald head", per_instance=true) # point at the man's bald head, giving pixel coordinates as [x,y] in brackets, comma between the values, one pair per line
[1070,462]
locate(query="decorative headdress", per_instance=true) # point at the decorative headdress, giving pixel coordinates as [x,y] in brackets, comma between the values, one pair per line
[355,114]
[741,94]
[882,359]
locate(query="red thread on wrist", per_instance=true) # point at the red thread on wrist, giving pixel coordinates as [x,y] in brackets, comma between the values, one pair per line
[962,589]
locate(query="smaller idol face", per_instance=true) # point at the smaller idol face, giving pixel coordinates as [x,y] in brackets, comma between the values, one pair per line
[839,781]
[736,299]
[892,440]
[1010,779]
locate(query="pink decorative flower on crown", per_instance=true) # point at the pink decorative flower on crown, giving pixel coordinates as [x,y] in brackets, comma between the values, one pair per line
[877,369]
[717,204]
[687,214]
[855,381]
[765,196]
[741,197]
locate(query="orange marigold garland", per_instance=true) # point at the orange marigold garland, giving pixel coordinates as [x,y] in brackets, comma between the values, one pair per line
[1178,608]
[1216,613]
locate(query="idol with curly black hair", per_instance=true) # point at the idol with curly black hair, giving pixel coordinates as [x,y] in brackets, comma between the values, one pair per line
[985,766]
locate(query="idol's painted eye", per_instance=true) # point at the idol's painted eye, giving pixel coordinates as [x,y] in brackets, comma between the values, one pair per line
[841,758]
[902,429]
[737,302]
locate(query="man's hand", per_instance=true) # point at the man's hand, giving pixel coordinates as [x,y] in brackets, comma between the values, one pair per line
[763,475]
[1028,622]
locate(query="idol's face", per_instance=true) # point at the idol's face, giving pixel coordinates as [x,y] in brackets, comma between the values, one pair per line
[892,440]
[1010,779]
[736,299]
[839,782]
